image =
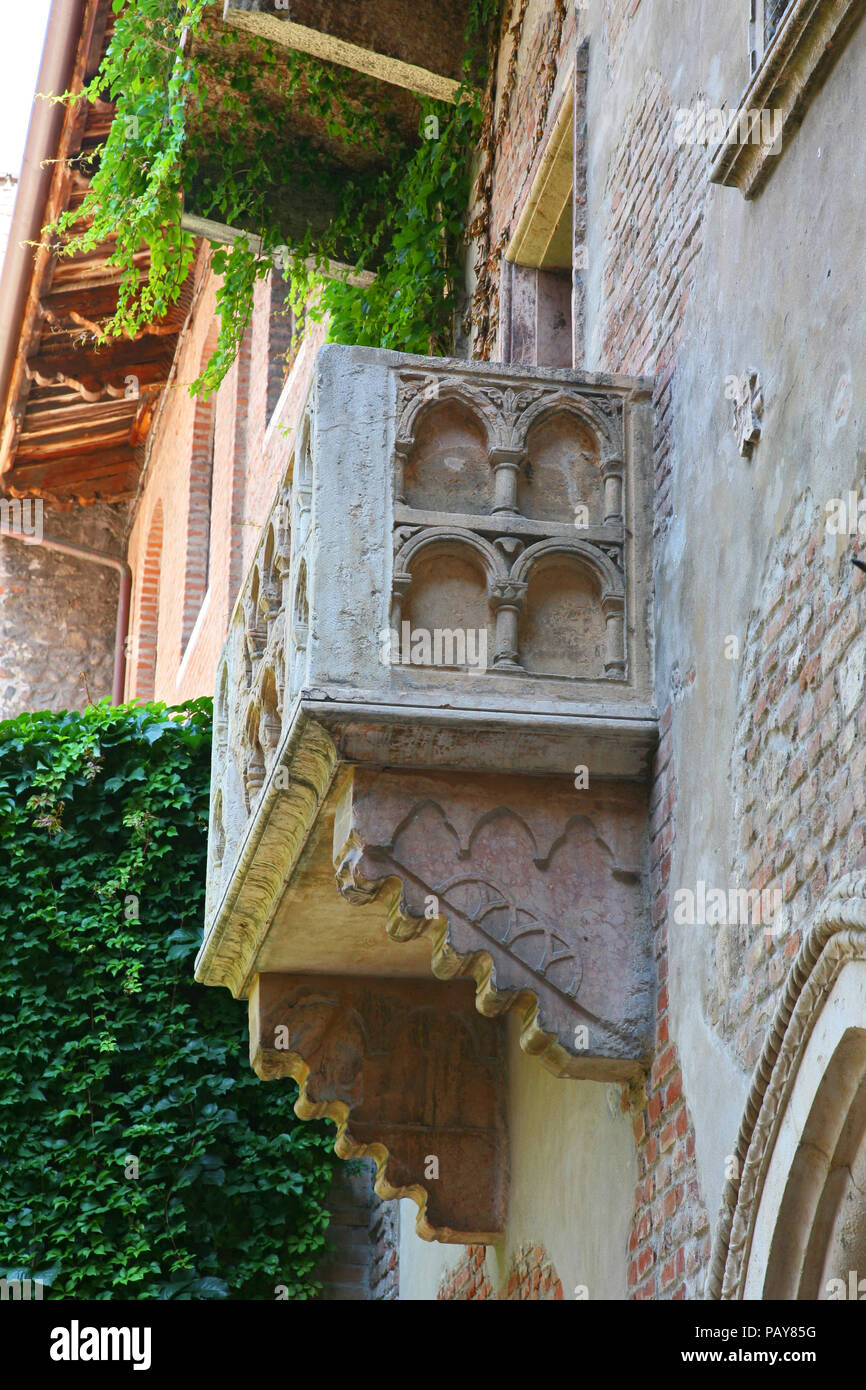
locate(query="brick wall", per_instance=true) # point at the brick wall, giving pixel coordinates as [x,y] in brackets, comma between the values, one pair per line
[655,197]
[345,1270]
[363,1233]
[656,193]
[669,1245]
[212,471]
[618,15]
[531,1276]
[527,106]
[798,767]
[145,648]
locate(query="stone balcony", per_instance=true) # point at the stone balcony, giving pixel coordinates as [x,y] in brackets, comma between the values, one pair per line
[433,730]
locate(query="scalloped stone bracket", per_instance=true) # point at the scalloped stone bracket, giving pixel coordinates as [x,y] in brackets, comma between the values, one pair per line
[535,891]
[411,1075]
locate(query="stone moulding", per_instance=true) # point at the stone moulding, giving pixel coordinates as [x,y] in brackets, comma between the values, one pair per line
[411,1076]
[795,61]
[271,845]
[836,937]
[508,412]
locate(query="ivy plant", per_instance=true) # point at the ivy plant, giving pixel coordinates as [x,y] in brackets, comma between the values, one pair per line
[142,1158]
[184,113]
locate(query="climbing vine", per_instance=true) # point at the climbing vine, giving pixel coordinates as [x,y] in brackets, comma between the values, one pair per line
[194,118]
[142,1158]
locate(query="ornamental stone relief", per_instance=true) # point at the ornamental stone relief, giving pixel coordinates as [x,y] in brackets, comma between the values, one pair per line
[509,518]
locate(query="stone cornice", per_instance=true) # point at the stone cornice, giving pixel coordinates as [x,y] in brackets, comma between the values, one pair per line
[802,49]
[837,935]
[271,846]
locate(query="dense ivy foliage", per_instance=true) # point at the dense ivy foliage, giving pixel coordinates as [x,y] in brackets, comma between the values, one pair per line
[184,118]
[142,1158]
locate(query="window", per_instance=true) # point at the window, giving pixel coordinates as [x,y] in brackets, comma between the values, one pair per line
[537,300]
[792,46]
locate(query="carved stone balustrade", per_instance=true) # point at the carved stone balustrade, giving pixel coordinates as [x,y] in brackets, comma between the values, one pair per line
[433,729]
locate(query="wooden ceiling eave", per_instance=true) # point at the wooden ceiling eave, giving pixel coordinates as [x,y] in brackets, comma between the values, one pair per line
[71,132]
[79,410]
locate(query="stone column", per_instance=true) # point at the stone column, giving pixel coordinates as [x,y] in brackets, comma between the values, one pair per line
[505,463]
[506,600]
[613,606]
[611,472]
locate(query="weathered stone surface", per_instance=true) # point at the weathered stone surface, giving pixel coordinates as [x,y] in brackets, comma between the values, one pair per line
[514,509]
[58,614]
[411,1075]
[536,890]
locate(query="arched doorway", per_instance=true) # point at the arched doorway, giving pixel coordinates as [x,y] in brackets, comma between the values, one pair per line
[793,1223]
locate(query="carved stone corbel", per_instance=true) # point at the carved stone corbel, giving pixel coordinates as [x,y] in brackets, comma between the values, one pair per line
[411,1075]
[532,889]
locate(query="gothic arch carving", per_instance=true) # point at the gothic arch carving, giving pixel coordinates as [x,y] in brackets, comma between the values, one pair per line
[452,539]
[420,400]
[779,1216]
[549,406]
[493,910]
[608,577]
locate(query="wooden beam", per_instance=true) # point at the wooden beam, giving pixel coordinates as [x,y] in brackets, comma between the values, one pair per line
[330,49]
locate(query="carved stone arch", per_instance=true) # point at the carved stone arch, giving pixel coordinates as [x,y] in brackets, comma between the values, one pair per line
[499,813]
[268,553]
[301,611]
[445,582]
[792,1224]
[299,632]
[563,628]
[270,720]
[303,461]
[414,818]
[602,492]
[609,578]
[222,710]
[426,396]
[610,445]
[254,767]
[447,462]
[217,831]
[586,825]
[448,537]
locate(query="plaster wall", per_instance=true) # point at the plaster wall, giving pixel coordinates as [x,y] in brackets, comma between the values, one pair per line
[772,287]
[572,1178]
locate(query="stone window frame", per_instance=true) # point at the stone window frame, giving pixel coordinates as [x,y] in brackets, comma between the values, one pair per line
[558,182]
[786,72]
